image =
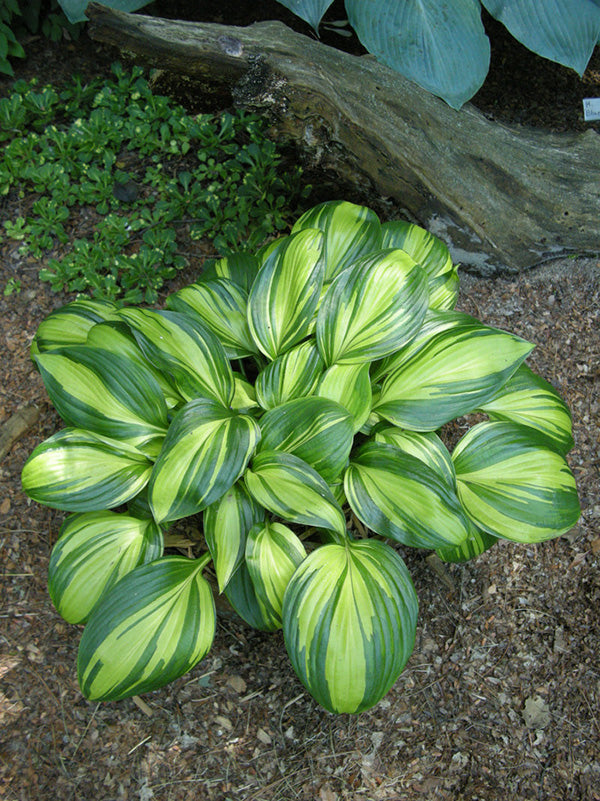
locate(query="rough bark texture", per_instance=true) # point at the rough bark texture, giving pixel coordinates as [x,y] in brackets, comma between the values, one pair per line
[501,197]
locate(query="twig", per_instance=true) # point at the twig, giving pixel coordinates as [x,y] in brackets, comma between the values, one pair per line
[141,704]
[17,426]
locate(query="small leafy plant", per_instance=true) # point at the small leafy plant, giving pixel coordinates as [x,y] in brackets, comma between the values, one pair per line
[292,398]
[143,169]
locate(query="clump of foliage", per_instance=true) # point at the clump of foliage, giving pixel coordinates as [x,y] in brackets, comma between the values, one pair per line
[22,17]
[142,166]
[293,398]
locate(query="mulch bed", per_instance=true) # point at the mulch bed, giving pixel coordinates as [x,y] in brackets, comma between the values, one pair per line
[499,700]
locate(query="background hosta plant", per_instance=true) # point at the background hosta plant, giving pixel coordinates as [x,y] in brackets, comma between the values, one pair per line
[442,44]
[291,398]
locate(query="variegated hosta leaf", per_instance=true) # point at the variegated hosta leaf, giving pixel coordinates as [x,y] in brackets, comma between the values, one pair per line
[425,248]
[116,336]
[292,489]
[372,308]
[93,552]
[452,374]
[294,374]
[513,484]
[350,386]
[476,543]
[351,232]
[285,293]
[443,291]
[186,350]
[349,622]
[244,398]
[273,552]
[528,399]
[435,322]
[139,506]
[104,392]
[317,430]
[241,595]
[399,496]
[241,268]
[70,324]
[426,446]
[77,471]
[152,627]
[221,306]
[203,455]
[226,524]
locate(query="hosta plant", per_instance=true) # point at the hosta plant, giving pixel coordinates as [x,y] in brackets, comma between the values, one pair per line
[290,400]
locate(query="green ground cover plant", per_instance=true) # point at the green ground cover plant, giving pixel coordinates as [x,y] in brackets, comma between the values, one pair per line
[142,169]
[293,398]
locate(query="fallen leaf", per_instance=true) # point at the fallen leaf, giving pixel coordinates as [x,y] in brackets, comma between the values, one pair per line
[237,683]
[536,713]
[263,737]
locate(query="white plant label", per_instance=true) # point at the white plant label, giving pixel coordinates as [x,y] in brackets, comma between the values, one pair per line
[591,108]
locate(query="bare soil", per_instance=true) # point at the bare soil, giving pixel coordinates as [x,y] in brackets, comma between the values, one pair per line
[499,700]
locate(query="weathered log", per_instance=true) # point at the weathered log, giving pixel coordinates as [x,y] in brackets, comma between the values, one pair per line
[502,197]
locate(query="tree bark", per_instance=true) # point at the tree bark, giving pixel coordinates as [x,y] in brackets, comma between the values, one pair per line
[502,197]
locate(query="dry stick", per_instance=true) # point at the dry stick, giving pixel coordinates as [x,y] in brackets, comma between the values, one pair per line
[17,426]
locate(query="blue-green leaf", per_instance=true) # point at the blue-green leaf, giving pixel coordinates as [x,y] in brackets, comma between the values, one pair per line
[439,44]
[565,31]
[204,453]
[77,471]
[152,627]
[310,11]
[399,496]
[349,621]
[93,552]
